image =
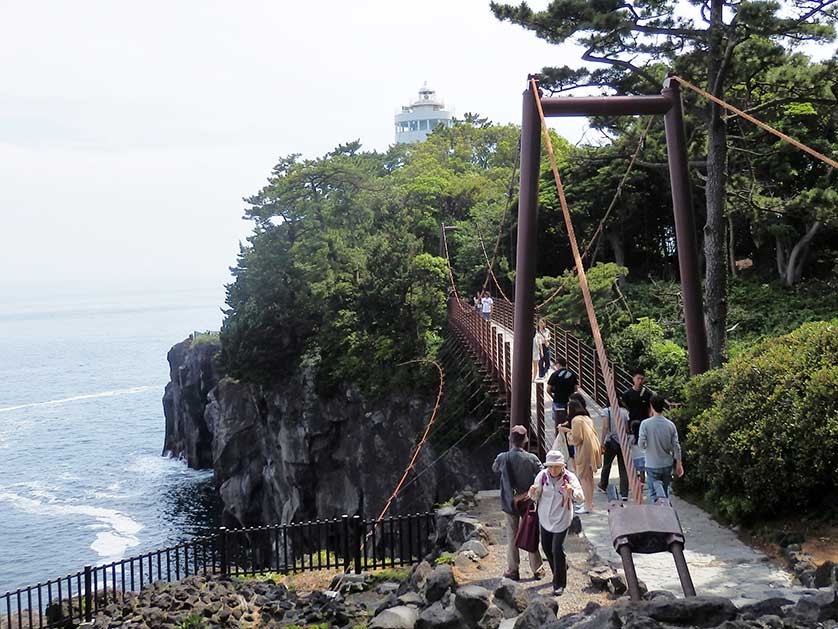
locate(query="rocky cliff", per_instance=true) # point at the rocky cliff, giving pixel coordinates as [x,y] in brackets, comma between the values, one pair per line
[286,453]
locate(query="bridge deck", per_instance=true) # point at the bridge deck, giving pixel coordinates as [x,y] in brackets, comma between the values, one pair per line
[720,564]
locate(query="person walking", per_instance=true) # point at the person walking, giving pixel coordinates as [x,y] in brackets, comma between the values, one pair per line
[536,355]
[476,301]
[486,303]
[659,440]
[555,489]
[610,440]
[637,397]
[560,386]
[543,334]
[516,467]
[582,435]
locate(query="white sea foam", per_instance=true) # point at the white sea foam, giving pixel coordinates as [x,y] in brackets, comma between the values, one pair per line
[75,398]
[111,544]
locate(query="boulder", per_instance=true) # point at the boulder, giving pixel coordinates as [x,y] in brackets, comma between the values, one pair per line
[412,598]
[699,611]
[599,577]
[767,607]
[419,574]
[511,599]
[491,619]
[439,581]
[438,617]
[817,607]
[823,575]
[539,613]
[472,601]
[464,528]
[478,548]
[400,617]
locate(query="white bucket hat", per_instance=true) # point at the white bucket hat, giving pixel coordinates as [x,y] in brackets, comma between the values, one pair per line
[554,457]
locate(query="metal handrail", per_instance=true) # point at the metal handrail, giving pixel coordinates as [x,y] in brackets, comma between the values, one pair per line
[345,543]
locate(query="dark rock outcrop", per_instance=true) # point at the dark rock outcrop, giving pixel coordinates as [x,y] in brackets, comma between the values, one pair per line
[287,453]
[192,376]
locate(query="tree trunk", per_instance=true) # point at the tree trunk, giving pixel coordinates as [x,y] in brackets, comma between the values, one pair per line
[731,245]
[799,254]
[715,303]
[616,242]
[780,249]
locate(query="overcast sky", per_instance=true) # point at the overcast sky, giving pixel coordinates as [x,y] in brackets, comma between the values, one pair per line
[129,132]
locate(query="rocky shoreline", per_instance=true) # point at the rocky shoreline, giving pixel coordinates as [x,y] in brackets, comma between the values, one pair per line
[454,586]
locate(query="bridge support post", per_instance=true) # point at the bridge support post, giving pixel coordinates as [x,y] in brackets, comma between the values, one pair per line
[676,150]
[525,263]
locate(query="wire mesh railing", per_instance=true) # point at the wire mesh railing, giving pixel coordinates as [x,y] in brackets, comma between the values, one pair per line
[344,544]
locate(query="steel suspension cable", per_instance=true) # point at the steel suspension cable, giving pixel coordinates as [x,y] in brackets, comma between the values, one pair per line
[759,123]
[421,443]
[448,263]
[490,272]
[608,376]
[509,191]
[617,194]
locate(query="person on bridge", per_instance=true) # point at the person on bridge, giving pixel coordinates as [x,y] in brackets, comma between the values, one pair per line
[659,439]
[486,305]
[537,350]
[582,435]
[562,384]
[555,489]
[611,450]
[477,301]
[542,332]
[637,397]
[516,467]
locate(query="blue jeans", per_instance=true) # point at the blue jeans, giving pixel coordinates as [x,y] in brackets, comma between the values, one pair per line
[544,363]
[487,315]
[662,474]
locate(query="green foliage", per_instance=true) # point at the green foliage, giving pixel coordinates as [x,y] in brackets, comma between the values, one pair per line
[445,559]
[766,442]
[390,574]
[193,621]
[209,337]
[341,275]
[568,308]
[642,345]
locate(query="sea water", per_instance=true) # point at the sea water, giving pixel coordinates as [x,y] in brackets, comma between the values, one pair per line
[82,479]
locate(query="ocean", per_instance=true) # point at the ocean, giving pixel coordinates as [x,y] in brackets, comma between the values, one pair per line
[82,479]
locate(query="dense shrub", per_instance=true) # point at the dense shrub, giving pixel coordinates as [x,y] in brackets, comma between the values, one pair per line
[766,443]
[642,345]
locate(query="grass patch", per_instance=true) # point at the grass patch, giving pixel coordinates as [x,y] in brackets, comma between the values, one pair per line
[208,337]
[390,574]
[446,558]
[193,621]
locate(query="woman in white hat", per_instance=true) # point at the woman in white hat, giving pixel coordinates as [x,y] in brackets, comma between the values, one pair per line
[555,489]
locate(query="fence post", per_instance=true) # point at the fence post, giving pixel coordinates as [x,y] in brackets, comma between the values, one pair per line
[345,519]
[358,539]
[88,595]
[225,565]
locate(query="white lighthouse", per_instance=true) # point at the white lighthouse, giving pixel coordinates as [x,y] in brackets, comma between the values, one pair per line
[415,121]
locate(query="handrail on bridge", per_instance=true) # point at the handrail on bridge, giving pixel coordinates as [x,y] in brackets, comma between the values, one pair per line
[487,340]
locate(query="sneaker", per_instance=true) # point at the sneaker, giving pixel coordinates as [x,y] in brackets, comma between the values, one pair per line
[511,574]
[558,591]
[582,511]
[602,489]
[540,573]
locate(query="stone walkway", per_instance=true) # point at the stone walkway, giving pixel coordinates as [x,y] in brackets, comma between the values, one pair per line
[720,564]
[488,572]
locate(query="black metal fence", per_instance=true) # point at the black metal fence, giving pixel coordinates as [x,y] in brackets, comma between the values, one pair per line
[345,544]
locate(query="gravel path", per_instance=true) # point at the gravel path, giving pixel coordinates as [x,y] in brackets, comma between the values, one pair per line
[488,572]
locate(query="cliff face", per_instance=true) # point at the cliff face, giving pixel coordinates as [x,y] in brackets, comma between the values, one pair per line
[288,454]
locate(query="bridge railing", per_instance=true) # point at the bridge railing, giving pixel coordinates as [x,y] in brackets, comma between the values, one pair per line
[491,346]
[581,357]
[340,544]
